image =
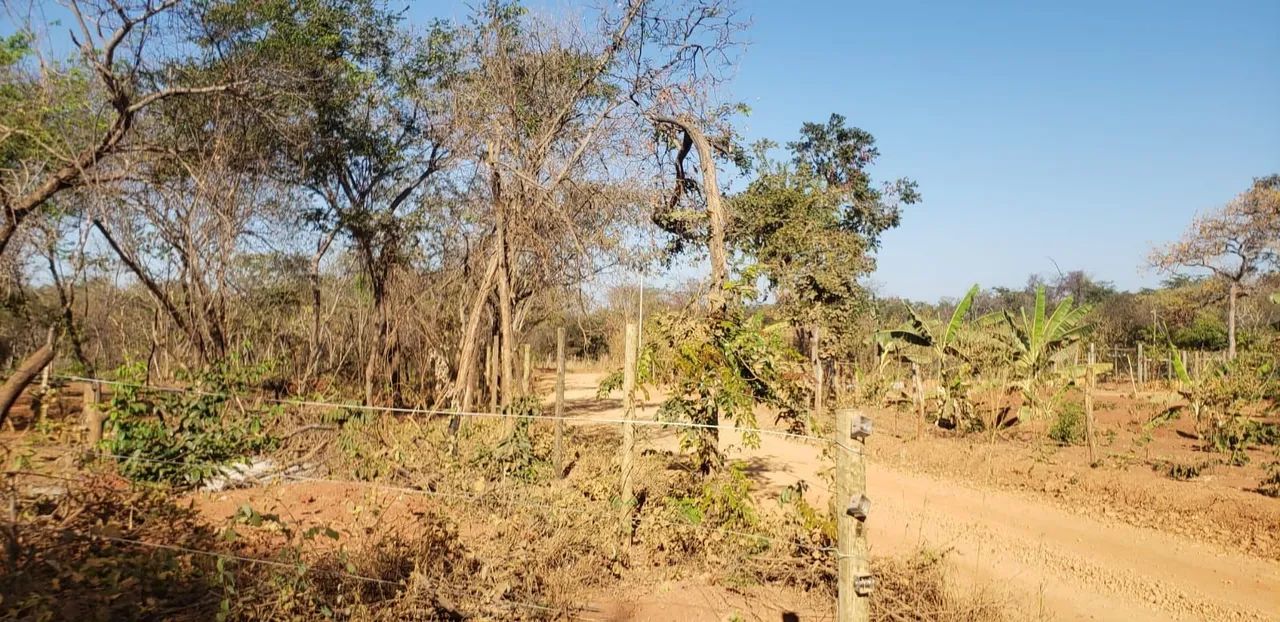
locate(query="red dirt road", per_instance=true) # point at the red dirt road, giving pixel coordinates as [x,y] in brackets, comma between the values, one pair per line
[1047,562]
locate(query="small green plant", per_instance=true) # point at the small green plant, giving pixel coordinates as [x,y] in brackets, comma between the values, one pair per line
[1270,485]
[514,456]
[1068,427]
[183,437]
[1180,471]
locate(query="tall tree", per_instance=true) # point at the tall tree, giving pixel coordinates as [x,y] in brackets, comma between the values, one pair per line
[1236,243]
[61,129]
[814,224]
[369,130]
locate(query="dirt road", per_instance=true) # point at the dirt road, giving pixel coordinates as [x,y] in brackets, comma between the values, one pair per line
[1047,562]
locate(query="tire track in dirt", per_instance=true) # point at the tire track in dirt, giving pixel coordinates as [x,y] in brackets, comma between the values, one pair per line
[1056,565]
[1047,562]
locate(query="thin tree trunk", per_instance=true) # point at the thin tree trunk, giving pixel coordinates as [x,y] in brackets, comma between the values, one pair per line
[504,312]
[470,335]
[717,303]
[1231,320]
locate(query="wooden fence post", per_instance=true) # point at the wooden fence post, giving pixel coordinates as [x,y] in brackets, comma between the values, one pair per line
[1090,433]
[918,387]
[1142,366]
[628,428]
[93,418]
[816,356]
[526,376]
[559,444]
[855,583]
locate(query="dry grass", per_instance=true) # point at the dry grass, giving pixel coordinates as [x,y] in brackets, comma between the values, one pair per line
[916,589]
[530,545]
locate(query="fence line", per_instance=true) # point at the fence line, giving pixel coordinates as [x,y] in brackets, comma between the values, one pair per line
[450,413]
[475,498]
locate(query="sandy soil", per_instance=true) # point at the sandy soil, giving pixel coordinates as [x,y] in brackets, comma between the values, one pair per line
[1048,559]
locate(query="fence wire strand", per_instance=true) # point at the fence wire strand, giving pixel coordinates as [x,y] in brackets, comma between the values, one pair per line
[397,410]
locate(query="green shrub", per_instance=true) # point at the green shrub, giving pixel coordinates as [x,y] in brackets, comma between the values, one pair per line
[183,437]
[1068,427]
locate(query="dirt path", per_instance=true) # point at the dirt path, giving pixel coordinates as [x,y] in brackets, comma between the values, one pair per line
[1048,563]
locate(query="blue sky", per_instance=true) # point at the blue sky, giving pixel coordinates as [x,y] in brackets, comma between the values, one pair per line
[1075,132]
[1081,132]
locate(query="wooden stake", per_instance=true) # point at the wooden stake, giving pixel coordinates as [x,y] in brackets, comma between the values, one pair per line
[559,443]
[816,357]
[919,399]
[1089,432]
[93,418]
[628,428]
[527,374]
[851,483]
[1142,367]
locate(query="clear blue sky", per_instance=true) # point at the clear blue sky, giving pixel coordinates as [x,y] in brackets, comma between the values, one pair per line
[1081,131]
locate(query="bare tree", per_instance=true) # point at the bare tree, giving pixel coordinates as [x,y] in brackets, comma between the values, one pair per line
[49,153]
[1236,243]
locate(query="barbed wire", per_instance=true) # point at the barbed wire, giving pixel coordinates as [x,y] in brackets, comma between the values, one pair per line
[397,410]
[228,470]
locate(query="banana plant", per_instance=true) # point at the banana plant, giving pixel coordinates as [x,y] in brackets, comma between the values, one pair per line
[953,388]
[917,331]
[1039,338]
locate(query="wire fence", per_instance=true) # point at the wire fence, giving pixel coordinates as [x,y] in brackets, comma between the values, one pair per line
[508,499]
[430,412]
[1142,365]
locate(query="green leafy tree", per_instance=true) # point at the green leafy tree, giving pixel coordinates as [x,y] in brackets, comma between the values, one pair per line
[814,223]
[367,131]
[722,369]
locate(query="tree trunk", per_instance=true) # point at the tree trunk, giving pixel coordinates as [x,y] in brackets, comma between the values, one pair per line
[504,320]
[717,303]
[22,377]
[716,217]
[376,351]
[470,335]
[1231,320]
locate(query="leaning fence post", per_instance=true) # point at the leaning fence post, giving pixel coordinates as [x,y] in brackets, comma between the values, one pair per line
[628,428]
[559,444]
[853,591]
[1089,431]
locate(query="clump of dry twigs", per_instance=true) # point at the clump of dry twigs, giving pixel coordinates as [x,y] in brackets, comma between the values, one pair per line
[915,588]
